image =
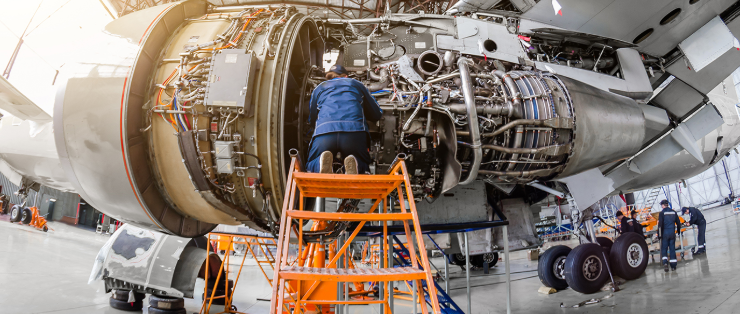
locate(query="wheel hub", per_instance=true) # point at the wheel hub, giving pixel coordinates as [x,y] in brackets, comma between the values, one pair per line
[488,257]
[592,268]
[634,255]
[558,268]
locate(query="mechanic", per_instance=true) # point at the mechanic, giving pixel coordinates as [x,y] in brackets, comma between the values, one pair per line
[697,218]
[624,223]
[667,234]
[636,226]
[340,108]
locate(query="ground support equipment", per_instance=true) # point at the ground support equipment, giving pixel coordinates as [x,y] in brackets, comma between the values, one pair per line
[305,280]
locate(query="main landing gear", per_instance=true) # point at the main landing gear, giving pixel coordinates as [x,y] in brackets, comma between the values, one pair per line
[585,269]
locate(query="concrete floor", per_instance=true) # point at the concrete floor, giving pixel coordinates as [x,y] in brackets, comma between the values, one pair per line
[48,273]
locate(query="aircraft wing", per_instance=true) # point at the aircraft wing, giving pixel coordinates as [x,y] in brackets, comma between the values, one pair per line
[17,104]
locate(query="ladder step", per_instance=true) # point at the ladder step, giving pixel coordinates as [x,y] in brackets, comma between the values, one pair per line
[351,274]
[345,186]
[302,214]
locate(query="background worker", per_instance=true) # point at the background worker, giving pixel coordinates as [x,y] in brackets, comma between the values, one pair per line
[340,108]
[667,234]
[624,225]
[697,218]
[636,226]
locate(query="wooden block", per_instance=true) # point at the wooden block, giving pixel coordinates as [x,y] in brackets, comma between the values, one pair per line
[547,290]
[533,254]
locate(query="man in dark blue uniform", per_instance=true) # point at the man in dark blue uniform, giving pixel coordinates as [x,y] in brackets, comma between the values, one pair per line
[697,218]
[667,234]
[636,226]
[624,223]
[340,108]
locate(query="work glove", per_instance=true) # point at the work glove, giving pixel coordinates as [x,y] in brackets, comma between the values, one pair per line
[659,237]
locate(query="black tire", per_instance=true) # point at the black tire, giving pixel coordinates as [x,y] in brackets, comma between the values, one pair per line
[458,259]
[26,216]
[629,256]
[154,310]
[45,229]
[585,268]
[125,306]
[122,295]
[491,258]
[15,213]
[606,244]
[551,267]
[166,303]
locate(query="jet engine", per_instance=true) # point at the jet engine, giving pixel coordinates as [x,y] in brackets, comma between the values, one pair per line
[182,118]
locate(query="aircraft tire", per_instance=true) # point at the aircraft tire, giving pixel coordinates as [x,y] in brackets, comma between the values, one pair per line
[458,259]
[585,268]
[126,306]
[122,295]
[166,303]
[26,216]
[629,256]
[15,213]
[154,310]
[551,267]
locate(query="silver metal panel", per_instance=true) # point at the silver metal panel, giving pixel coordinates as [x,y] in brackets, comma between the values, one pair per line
[521,226]
[700,125]
[460,204]
[231,79]
[224,149]
[625,19]
[708,43]
[151,259]
[634,85]
[472,33]
[588,187]
[608,127]
[678,98]
[225,165]
[656,120]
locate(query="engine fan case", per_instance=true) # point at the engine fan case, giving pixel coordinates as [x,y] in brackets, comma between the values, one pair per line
[608,127]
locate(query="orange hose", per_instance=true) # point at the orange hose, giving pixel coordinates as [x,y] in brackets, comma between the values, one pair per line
[231,43]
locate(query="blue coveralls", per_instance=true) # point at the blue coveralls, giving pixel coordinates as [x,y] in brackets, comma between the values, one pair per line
[666,221]
[340,108]
[697,218]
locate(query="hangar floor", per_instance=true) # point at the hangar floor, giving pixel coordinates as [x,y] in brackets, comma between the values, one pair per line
[48,273]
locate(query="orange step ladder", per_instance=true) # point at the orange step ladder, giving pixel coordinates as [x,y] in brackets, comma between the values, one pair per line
[305,280]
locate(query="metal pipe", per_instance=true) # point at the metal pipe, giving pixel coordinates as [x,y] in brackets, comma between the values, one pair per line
[547,189]
[557,123]
[447,273]
[442,78]
[514,173]
[467,271]
[508,269]
[429,123]
[553,150]
[469,96]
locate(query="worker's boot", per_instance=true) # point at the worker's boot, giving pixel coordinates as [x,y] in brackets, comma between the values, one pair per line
[325,162]
[665,265]
[350,165]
